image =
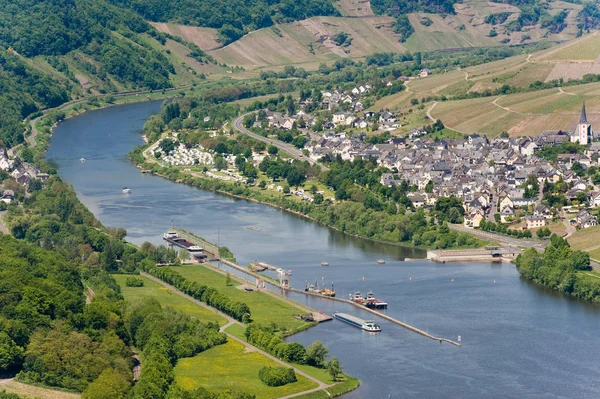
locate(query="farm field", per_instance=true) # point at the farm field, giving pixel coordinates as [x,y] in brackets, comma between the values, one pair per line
[354,8]
[166,298]
[232,367]
[586,48]
[204,38]
[35,392]
[527,113]
[264,308]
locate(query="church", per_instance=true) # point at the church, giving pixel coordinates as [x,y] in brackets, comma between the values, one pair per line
[583,133]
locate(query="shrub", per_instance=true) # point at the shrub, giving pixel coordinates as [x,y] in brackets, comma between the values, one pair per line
[277,376]
[134,282]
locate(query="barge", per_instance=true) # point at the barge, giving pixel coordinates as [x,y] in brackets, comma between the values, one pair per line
[357,322]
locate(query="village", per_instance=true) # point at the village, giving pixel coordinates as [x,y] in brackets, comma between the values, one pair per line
[494,178]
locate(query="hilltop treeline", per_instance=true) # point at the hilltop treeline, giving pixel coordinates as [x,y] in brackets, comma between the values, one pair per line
[397,7]
[560,268]
[232,18]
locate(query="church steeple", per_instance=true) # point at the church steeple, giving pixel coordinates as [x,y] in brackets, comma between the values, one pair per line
[583,118]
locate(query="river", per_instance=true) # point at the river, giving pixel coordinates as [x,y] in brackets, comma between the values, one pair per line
[519,340]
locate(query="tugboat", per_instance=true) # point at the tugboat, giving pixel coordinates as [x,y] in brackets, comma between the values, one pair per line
[372,302]
[357,322]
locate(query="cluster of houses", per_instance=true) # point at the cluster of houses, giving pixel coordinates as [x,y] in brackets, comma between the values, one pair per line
[23,173]
[489,176]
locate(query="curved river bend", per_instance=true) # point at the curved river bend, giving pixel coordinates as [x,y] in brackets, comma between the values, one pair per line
[519,341]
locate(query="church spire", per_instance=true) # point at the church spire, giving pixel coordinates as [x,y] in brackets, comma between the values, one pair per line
[583,118]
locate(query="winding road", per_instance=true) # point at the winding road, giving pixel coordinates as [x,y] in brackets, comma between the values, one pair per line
[288,148]
[231,321]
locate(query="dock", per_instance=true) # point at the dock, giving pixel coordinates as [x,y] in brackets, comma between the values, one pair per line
[284,285]
[383,316]
[374,312]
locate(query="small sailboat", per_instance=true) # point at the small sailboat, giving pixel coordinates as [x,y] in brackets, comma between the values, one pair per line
[126,190]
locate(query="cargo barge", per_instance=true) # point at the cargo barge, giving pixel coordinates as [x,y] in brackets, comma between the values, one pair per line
[357,322]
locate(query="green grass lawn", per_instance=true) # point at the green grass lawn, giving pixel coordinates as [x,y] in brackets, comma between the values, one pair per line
[264,308]
[231,367]
[166,298]
[237,331]
[585,239]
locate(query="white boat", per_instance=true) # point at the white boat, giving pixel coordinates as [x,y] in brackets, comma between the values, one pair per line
[381,261]
[82,160]
[357,322]
[126,190]
[324,263]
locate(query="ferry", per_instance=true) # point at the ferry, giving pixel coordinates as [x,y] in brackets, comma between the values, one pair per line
[372,302]
[357,322]
[126,190]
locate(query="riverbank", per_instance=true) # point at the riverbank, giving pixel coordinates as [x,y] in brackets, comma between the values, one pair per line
[322,214]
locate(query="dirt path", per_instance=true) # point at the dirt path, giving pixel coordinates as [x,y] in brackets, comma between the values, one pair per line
[5,381]
[3,228]
[431,109]
[560,89]
[231,321]
[90,296]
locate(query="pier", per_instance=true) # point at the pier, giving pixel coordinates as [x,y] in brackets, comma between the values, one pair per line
[284,284]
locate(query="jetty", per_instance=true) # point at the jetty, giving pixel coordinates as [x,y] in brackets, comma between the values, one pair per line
[284,284]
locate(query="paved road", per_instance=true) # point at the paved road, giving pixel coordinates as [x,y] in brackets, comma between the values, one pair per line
[230,321]
[290,149]
[502,239]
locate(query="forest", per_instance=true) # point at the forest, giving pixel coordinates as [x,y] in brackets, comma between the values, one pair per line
[560,268]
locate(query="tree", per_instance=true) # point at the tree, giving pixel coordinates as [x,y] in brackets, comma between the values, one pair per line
[109,385]
[295,353]
[272,150]
[295,177]
[10,352]
[220,162]
[316,354]
[228,279]
[286,188]
[334,368]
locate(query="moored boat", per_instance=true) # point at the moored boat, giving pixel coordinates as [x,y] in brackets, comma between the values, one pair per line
[357,322]
[372,302]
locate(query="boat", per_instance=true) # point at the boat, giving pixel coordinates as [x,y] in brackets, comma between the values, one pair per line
[126,190]
[314,288]
[372,302]
[357,297]
[328,292]
[82,160]
[324,264]
[381,262]
[357,322]
[253,228]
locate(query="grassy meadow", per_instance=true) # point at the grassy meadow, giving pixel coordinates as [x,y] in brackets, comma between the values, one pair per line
[166,298]
[265,308]
[231,366]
